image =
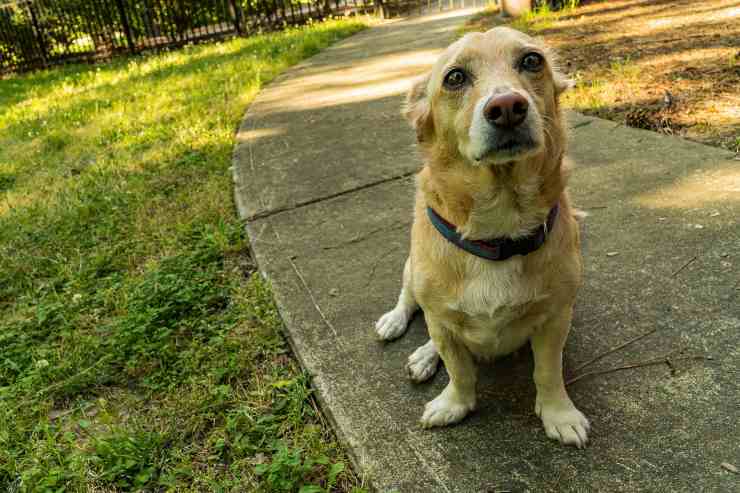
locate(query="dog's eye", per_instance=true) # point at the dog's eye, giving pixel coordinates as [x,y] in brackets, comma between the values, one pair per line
[532,62]
[455,79]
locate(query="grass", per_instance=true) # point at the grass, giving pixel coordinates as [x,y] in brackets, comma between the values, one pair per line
[588,94]
[532,22]
[620,79]
[673,71]
[594,93]
[140,350]
[536,20]
[543,16]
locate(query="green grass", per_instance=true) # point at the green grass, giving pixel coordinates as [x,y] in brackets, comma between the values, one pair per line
[604,90]
[538,19]
[139,349]
[543,16]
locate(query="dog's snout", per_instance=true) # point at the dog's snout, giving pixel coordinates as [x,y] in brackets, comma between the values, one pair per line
[506,110]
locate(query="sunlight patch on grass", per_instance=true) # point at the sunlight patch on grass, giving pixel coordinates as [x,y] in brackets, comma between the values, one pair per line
[608,88]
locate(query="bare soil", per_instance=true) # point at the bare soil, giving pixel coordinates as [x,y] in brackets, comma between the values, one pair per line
[667,65]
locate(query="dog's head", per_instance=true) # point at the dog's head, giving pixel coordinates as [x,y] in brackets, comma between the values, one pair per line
[490,98]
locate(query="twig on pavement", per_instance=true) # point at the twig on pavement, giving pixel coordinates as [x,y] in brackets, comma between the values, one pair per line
[657,361]
[684,266]
[612,350]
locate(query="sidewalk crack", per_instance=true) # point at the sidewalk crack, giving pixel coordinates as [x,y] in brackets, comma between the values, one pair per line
[272,212]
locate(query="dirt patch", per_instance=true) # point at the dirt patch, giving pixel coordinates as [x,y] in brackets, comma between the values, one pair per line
[672,66]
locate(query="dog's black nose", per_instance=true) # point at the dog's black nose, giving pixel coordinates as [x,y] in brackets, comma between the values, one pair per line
[506,110]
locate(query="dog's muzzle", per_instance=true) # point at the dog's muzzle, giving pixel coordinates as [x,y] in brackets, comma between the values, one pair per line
[501,130]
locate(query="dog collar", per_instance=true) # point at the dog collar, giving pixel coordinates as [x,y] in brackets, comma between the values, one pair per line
[496,248]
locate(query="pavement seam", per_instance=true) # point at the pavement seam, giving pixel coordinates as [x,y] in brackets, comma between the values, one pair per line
[313,300]
[272,212]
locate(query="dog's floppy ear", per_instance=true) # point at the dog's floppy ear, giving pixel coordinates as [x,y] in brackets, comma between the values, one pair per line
[562,83]
[417,109]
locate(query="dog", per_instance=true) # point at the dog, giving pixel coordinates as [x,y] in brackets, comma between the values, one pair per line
[495,251]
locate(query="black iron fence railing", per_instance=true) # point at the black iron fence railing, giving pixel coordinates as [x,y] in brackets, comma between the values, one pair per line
[41,33]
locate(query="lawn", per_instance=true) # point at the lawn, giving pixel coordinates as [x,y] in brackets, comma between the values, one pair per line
[671,66]
[139,349]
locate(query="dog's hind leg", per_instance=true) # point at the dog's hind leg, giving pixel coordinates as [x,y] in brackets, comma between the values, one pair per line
[423,362]
[393,324]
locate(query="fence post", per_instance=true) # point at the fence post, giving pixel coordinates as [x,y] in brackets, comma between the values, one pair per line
[126,27]
[237,17]
[39,34]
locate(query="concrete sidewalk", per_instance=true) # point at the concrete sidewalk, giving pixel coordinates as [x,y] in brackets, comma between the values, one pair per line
[323,178]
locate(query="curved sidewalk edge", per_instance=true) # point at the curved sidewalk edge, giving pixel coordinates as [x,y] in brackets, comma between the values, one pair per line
[323,169]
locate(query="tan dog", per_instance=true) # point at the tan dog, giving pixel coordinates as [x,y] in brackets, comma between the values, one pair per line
[490,128]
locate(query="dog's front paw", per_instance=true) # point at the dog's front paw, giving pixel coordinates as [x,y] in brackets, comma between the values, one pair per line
[445,409]
[564,423]
[392,324]
[423,362]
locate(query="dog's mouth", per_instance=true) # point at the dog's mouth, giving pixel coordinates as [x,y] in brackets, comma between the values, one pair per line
[508,146]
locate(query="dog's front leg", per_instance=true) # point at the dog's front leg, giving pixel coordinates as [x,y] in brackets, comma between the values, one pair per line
[394,323]
[562,421]
[458,398]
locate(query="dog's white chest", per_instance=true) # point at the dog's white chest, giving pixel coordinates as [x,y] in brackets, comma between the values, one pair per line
[493,301]
[492,288]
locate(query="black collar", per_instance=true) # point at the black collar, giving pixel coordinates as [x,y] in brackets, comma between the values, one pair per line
[496,248]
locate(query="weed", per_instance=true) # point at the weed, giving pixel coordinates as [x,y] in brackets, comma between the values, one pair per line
[588,95]
[290,471]
[130,461]
[624,68]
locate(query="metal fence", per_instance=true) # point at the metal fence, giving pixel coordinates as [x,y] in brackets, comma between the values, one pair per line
[41,33]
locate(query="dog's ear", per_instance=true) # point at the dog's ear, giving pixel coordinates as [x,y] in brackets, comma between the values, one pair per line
[562,83]
[559,80]
[417,109]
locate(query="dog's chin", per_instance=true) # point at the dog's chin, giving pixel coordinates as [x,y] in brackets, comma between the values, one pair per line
[507,150]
